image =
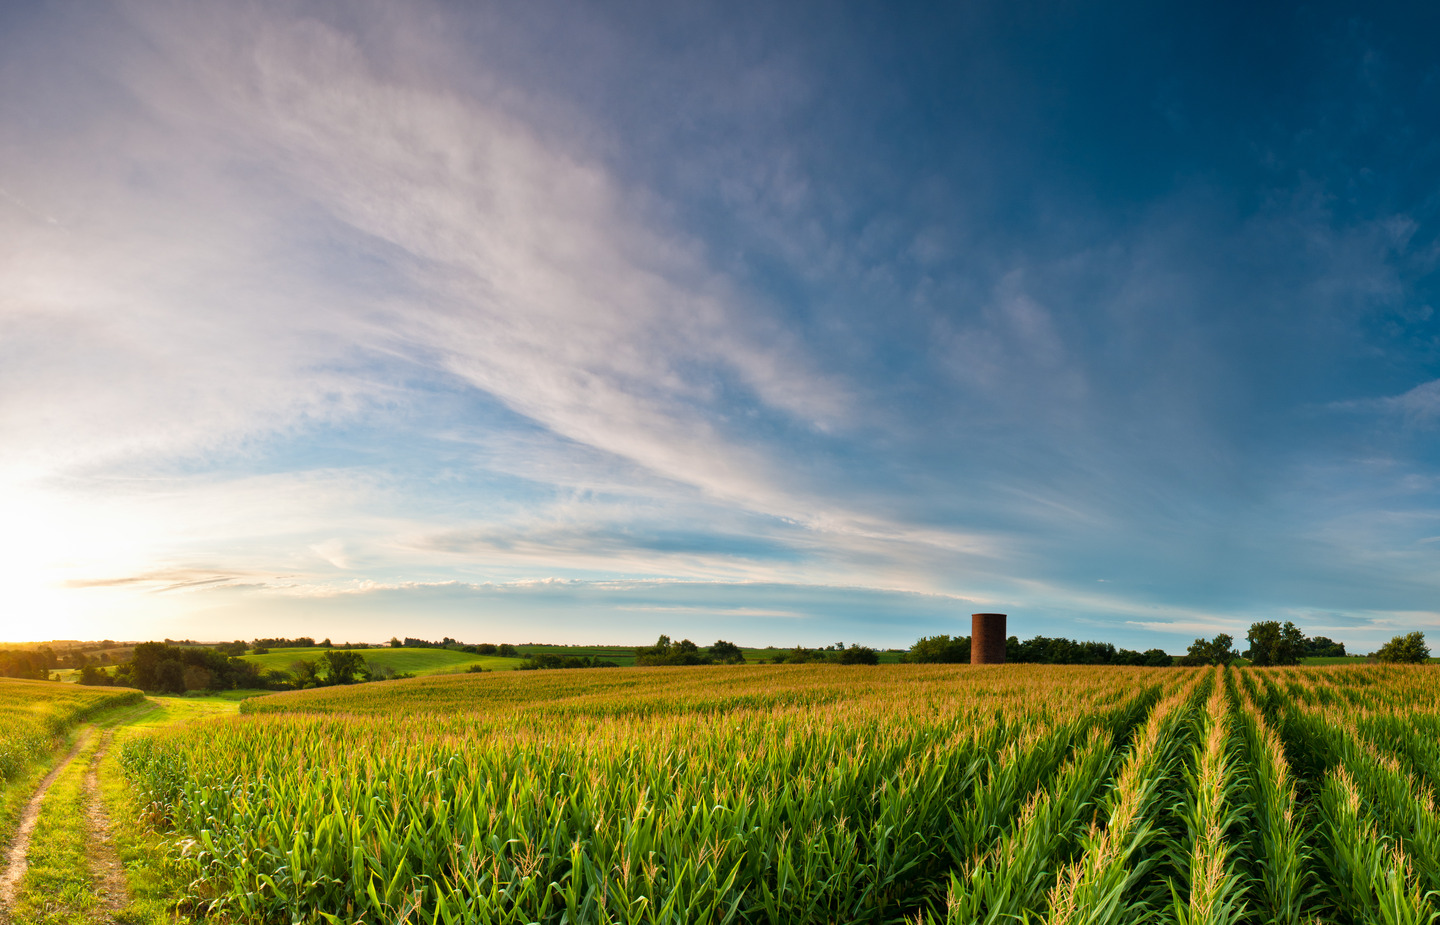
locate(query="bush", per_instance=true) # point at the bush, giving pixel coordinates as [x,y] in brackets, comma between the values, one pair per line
[859,655]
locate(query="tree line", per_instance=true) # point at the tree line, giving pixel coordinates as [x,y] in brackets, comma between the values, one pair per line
[1274,643]
[685,652]
[1039,650]
[1270,643]
[174,669]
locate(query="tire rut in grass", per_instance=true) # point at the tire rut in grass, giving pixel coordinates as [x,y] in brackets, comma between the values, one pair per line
[111,889]
[17,859]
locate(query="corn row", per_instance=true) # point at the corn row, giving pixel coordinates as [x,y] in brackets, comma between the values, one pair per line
[1215,895]
[1404,805]
[1370,877]
[822,810]
[1095,888]
[1280,854]
[1362,852]
[1012,879]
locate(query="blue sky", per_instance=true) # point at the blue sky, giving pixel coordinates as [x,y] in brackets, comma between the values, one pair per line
[782,323]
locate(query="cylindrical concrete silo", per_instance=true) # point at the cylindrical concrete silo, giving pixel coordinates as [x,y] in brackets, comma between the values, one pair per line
[987,639]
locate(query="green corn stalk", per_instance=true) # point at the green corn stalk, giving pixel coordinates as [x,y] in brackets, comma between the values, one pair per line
[1369,877]
[1215,894]
[711,795]
[1281,856]
[1095,888]
[1013,878]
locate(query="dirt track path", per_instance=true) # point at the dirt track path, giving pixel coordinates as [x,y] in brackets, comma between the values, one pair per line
[17,860]
[111,889]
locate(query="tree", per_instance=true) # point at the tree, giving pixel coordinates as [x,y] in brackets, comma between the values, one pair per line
[304,672]
[727,653]
[1408,648]
[859,655]
[1323,647]
[395,642]
[1273,644]
[939,649]
[1217,651]
[344,667]
[94,677]
[665,652]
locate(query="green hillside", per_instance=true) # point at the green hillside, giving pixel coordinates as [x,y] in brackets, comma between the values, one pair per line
[411,661]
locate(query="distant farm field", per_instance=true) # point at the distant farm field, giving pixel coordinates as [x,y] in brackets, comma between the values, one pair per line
[411,661]
[817,794]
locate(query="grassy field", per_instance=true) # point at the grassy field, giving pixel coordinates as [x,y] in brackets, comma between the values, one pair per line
[413,661]
[918,794]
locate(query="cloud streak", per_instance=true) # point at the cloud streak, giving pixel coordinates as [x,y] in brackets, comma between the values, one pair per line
[303,298]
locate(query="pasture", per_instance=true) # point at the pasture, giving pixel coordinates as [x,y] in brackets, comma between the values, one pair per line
[817,794]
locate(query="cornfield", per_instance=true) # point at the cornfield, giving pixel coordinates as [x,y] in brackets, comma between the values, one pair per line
[919,794]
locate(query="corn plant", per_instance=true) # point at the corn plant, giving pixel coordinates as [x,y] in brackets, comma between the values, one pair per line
[1214,894]
[813,794]
[34,714]
[1096,887]
[1279,853]
[1370,878]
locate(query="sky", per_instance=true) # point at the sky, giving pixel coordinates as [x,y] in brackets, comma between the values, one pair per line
[779,323]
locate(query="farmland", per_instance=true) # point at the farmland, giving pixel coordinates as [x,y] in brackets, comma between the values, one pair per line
[408,661]
[818,794]
[34,714]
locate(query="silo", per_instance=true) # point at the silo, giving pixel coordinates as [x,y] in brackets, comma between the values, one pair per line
[987,639]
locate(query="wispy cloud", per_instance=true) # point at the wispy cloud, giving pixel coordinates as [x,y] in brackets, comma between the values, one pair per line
[329,302]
